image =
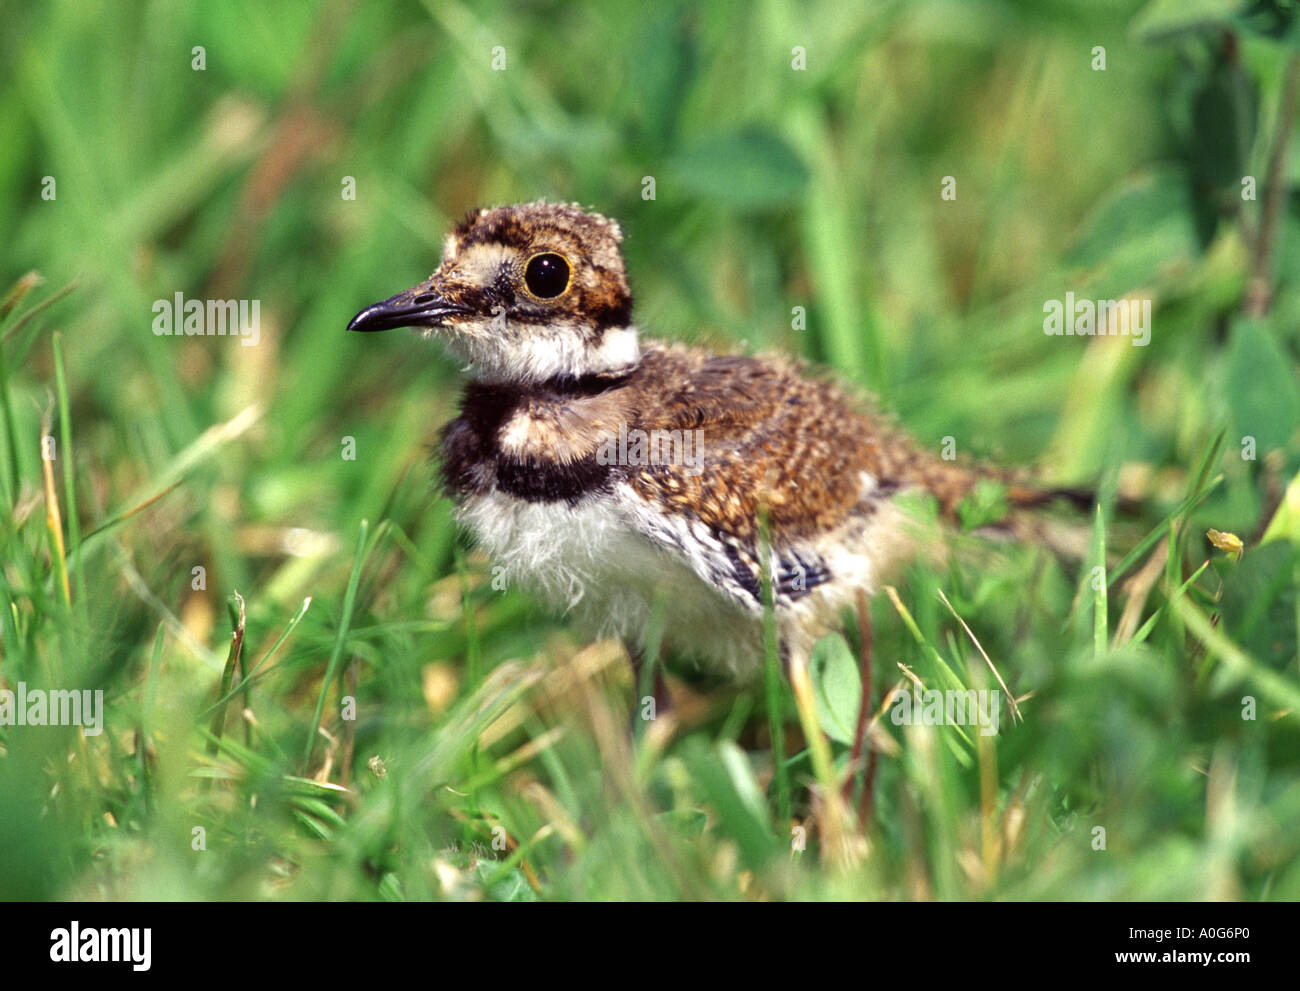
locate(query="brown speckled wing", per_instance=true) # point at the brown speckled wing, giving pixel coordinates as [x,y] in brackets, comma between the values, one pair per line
[768,438]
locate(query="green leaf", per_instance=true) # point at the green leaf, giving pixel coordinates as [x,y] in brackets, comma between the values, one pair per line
[985,504]
[692,822]
[1274,19]
[1164,19]
[837,687]
[1285,524]
[1261,386]
[661,79]
[513,887]
[749,169]
[727,783]
[1225,112]
[1136,230]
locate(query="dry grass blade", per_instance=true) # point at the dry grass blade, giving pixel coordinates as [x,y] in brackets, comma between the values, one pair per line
[40,307]
[1137,590]
[25,284]
[228,674]
[134,510]
[1011,699]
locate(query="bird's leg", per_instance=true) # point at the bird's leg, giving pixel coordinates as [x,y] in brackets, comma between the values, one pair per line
[866,635]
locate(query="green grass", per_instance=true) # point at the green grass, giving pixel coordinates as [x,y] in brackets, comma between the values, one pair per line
[488,756]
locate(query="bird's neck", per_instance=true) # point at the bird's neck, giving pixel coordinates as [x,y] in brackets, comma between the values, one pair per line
[561,356]
[558,389]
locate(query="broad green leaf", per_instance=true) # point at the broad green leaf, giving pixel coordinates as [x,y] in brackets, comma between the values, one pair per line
[1261,386]
[1136,230]
[727,783]
[837,687]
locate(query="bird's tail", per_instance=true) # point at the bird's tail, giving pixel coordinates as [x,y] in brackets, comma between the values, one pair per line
[952,482]
[1027,497]
[1028,518]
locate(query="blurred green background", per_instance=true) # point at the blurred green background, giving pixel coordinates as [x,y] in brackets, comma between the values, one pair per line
[799,154]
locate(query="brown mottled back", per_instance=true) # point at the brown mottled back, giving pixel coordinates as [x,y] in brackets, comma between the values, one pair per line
[773,438]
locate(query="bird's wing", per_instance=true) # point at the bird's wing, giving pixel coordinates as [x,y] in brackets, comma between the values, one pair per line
[752,437]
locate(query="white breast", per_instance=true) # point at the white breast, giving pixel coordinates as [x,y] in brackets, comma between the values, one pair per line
[598,562]
[593,561]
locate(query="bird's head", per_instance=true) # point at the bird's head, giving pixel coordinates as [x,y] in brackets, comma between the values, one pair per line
[524,293]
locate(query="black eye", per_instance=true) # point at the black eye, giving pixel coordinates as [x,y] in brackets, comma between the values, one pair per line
[546,276]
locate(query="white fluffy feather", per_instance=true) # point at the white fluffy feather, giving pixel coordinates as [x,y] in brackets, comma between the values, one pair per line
[605,560]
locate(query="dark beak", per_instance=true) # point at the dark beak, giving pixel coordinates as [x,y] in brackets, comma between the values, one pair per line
[418,307]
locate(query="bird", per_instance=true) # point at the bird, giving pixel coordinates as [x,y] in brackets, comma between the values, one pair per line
[604,472]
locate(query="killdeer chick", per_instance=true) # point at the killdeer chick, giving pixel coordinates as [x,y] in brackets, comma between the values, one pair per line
[601,470]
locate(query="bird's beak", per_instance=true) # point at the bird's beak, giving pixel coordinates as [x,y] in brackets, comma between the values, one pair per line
[416,307]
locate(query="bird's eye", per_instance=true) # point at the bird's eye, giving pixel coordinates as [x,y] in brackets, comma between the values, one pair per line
[546,275]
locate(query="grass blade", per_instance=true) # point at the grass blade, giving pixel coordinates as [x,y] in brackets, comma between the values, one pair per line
[69,469]
[340,639]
